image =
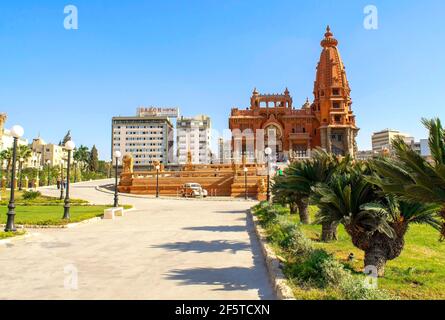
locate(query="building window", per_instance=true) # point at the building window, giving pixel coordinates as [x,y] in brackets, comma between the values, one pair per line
[337,118]
[336,92]
[336,105]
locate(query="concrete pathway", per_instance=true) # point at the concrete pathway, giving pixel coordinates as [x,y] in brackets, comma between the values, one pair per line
[164,249]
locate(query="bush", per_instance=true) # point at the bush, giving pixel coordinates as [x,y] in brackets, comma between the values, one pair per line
[288,235]
[353,288]
[268,213]
[310,269]
[31,195]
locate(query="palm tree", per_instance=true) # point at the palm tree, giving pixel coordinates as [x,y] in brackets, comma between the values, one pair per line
[376,223]
[24,152]
[413,178]
[288,196]
[302,176]
[6,155]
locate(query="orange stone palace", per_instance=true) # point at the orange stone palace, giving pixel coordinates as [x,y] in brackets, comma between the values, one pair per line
[328,122]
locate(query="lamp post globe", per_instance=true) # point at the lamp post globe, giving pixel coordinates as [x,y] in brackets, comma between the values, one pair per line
[69,146]
[117,155]
[16,132]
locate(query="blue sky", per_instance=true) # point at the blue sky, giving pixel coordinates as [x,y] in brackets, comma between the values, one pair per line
[207,56]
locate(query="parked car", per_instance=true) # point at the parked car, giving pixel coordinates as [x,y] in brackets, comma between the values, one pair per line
[193,190]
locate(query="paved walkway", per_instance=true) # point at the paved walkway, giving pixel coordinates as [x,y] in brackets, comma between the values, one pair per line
[164,249]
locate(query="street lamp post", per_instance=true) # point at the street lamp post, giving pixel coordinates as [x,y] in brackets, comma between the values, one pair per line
[16,132]
[20,173]
[61,180]
[69,146]
[157,180]
[268,152]
[245,183]
[117,155]
[48,162]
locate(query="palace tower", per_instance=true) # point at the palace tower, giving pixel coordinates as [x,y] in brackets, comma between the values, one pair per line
[328,122]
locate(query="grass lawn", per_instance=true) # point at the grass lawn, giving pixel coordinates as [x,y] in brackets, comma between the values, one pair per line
[51,215]
[4,235]
[40,200]
[418,273]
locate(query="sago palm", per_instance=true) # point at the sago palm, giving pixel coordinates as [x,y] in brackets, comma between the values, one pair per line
[413,178]
[301,176]
[377,224]
[285,194]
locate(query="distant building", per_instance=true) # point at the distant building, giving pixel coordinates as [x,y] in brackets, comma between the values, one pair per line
[365,155]
[46,153]
[148,137]
[425,150]
[194,135]
[272,120]
[6,139]
[382,140]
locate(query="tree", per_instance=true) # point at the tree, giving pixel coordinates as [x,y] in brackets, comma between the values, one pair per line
[301,176]
[6,155]
[82,156]
[413,178]
[287,196]
[377,223]
[24,152]
[94,160]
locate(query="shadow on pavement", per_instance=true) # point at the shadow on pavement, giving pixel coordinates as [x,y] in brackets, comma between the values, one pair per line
[218,228]
[231,278]
[232,211]
[205,246]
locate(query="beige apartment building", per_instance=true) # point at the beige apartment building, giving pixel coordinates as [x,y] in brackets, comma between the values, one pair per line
[44,153]
[382,140]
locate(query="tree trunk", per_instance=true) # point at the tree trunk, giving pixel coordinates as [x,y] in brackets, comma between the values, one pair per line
[376,257]
[329,231]
[442,232]
[293,208]
[303,211]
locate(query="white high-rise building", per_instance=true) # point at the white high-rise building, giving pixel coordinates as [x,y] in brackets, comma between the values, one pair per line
[194,136]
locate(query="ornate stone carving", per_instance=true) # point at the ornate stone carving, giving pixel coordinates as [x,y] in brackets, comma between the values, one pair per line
[127,163]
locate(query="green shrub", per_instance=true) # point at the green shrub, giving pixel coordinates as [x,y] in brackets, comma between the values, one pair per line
[268,213]
[310,269]
[300,245]
[354,288]
[31,194]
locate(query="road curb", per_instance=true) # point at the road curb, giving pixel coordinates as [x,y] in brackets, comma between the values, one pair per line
[273,265]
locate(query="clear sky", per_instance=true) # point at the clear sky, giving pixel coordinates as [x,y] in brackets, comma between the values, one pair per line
[207,56]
